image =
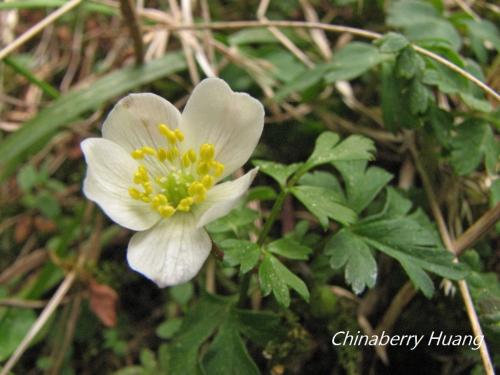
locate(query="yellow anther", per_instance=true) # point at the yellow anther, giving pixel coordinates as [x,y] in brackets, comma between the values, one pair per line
[148,150]
[172,154]
[148,188]
[179,135]
[207,151]
[137,154]
[134,193]
[161,154]
[142,170]
[146,198]
[203,168]
[218,168]
[192,155]
[196,188]
[198,198]
[167,133]
[185,204]
[186,161]
[166,210]
[159,200]
[207,181]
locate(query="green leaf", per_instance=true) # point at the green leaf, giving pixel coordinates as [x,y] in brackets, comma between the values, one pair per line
[392,42]
[406,240]
[346,249]
[271,282]
[328,149]
[244,253]
[168,328]
[395,100]
[419,277]
[182,293]
[237,218]
[323,179]
[279,172]
[261,193]
[201,322]
[352,61]
[27,178]
[14,324]
[302,82]
[324,204]
[409,63]
[420,21]
[419,97]
[362,185]
[474,142]
[67,108]
[259,326]
[290,249]
[275,277]
[227,355]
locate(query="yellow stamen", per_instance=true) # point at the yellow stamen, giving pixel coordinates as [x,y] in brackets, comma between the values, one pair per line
[207,151]
[137,154]
[134,193]
[166,210]
[207,181]
[179,135]
[161,154]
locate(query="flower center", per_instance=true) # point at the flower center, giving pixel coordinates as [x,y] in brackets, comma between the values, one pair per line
[189,174]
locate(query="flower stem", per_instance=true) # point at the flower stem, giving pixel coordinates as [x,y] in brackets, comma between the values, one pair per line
[278,204]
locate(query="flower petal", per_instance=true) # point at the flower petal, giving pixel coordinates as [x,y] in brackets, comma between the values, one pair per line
[232,122]
[170,253]
[109,175]
[134,121]
[222,198]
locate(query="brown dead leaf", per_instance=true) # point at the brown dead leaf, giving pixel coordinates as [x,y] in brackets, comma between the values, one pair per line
[23,229]
[103,300]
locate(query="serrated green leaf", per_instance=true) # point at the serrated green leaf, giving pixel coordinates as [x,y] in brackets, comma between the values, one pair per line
[395,101]
[325,180]
[275,277]
[419,277]
[290,278]
[290,249]
[324,204]
[271,282]
[228,355]
[474,142]
[259,326]
[68,107]
[392,42]
[279,172]
[328,149]
[197,327]
[237,218]
[351,61]
[419,97]
[244,253]
[421,21]
[345,249]
[408,63]
[362,185]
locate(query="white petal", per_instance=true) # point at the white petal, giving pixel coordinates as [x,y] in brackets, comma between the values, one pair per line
[134,121]
[170,253]
[109,175]
[233,122]
[223,198]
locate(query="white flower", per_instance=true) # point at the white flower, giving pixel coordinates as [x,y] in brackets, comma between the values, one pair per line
[156,171]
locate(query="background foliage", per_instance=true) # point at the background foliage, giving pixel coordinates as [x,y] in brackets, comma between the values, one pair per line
[378,166]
